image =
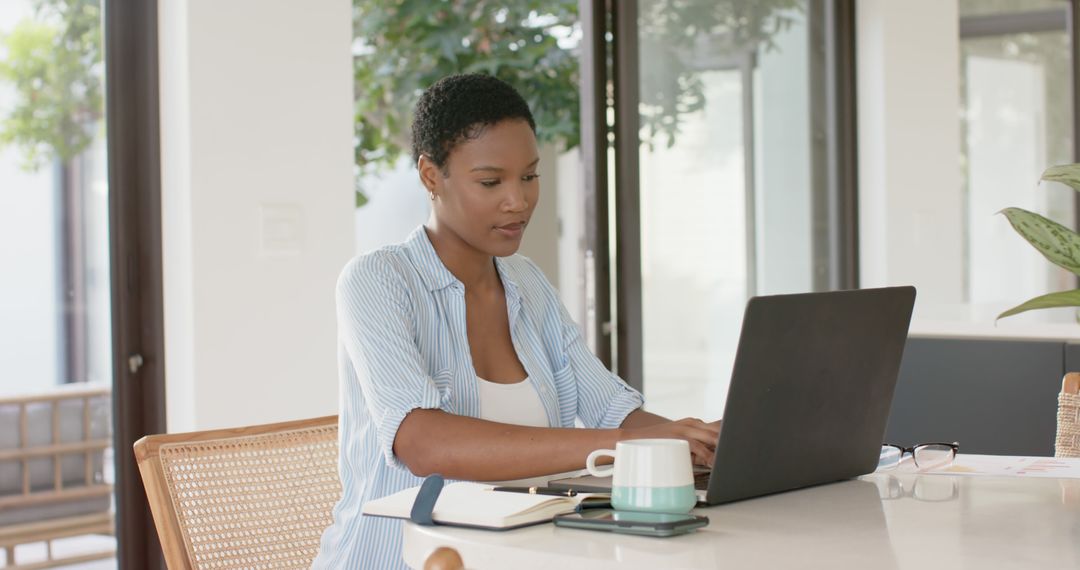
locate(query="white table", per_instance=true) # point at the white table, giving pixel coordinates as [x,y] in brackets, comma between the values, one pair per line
[934,521]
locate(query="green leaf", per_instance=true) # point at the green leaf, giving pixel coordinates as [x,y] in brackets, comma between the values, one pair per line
[52,63]
[1057,243]
[1064,173]
[1050,301]
[409,44]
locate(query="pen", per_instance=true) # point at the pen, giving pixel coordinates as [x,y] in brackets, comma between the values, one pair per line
[538,491]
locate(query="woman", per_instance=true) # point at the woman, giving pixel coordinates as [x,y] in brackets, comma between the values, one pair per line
[456,356]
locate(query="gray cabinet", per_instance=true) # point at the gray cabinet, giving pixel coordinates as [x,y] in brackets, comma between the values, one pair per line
[992,396]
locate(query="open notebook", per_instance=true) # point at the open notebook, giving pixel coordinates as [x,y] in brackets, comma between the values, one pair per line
[477,505]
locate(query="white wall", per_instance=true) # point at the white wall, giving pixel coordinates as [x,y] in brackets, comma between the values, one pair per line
[910,195]
[256,111]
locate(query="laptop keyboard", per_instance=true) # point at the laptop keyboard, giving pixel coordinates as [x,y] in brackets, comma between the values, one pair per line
[701,480]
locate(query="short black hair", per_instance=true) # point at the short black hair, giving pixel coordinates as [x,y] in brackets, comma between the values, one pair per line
[459,107]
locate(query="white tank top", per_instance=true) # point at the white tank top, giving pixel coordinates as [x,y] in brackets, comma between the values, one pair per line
[517,403]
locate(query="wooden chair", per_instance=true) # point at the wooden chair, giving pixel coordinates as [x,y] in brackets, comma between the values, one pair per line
[1067,443]
[250,497]
[52,472]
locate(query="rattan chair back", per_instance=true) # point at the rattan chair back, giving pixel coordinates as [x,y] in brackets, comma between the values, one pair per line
[250,497]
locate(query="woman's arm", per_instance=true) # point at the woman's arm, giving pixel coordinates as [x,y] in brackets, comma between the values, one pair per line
[641,418]
[460,447]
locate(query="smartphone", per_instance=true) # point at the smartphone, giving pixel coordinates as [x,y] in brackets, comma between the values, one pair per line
[645,524]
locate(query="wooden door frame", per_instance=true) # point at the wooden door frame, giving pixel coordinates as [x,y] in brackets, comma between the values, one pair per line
[131,70]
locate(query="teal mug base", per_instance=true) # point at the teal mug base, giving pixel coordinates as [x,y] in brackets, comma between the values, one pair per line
[654,499]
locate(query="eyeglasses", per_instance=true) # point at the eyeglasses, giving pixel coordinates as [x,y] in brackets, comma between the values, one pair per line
[925,455]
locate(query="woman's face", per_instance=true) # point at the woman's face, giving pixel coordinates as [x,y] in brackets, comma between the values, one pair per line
[489,189]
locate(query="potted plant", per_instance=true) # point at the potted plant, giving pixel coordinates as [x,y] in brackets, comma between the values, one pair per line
[1056,242]
[1061,246]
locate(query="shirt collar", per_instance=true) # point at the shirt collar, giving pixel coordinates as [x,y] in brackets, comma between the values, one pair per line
[509,284]
[434,272]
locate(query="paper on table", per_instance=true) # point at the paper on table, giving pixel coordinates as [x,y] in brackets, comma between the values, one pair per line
[1011,466]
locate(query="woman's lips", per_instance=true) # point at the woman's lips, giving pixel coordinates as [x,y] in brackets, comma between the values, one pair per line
[511,230]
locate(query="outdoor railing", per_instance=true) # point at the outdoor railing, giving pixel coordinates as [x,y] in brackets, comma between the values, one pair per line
[52,471]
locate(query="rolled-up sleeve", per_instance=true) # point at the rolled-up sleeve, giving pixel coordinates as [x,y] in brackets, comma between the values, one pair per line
[604,399]
[376,330]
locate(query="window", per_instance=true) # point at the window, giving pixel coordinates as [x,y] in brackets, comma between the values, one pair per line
[1016,120]
[962,105]
[533,49]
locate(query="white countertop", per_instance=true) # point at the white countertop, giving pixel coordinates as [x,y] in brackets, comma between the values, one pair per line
[934,521]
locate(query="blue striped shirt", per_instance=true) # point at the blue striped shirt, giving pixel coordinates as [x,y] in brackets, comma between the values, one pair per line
[403,345]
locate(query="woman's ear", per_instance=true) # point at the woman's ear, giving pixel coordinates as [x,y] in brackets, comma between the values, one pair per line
[429,174]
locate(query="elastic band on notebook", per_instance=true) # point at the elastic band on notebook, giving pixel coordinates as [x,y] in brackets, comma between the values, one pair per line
[425,501]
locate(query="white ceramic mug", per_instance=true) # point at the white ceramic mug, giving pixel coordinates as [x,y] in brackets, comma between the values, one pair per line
[653,475]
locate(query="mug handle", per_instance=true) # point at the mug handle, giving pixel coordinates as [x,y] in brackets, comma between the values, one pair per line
[590,463]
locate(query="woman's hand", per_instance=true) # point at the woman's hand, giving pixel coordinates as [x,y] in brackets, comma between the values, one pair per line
[701,436]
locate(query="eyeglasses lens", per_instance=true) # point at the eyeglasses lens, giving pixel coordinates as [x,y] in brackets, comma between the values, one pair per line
[890,457]
[933,455]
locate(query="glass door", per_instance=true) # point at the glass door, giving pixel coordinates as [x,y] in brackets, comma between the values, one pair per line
[731,175]
[56,475]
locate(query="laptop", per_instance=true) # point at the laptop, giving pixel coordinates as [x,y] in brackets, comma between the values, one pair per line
[810,393]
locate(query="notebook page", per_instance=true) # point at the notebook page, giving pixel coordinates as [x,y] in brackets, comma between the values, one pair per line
[474,504]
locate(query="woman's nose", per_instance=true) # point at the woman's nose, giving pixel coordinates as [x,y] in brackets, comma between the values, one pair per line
[516,198]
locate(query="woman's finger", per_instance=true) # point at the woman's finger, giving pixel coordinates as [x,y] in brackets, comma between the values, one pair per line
[701,435]
[704,460]
[695,423]
[702,454]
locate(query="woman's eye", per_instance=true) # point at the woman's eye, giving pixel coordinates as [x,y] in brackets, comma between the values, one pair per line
[489,183]
[530,177]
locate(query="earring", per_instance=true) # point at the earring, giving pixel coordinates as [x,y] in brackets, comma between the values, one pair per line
[432,196]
